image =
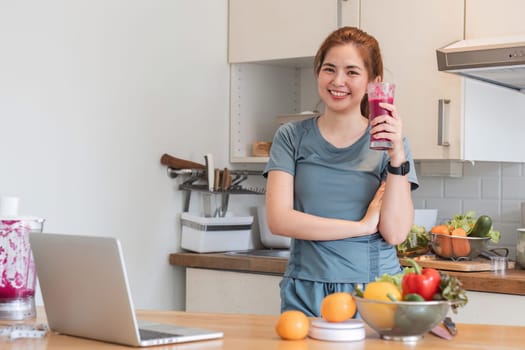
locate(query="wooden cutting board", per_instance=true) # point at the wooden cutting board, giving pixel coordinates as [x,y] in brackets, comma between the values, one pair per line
[478,264]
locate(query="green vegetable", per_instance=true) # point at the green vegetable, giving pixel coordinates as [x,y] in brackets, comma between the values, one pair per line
[465,221]
[391,297]
[482,226]
[452,290]
[416,243]
[413,297]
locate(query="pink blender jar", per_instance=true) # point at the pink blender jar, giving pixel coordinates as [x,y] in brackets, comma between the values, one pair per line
[17,268]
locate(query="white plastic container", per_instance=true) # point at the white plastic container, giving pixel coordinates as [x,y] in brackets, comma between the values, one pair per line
[216,234]
[346,331]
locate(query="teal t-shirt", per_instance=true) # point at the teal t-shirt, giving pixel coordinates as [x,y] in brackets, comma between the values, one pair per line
[335,183]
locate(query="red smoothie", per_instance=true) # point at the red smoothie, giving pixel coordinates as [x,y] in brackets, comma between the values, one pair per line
[375,110]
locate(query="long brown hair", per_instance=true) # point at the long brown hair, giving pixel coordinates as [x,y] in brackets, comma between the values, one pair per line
[367,46]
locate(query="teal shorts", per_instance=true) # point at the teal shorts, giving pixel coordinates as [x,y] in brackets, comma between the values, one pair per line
[306,296]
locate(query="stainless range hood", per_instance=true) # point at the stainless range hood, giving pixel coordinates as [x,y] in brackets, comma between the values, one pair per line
[498,60]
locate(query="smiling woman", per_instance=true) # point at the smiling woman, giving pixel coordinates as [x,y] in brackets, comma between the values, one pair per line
[327,189]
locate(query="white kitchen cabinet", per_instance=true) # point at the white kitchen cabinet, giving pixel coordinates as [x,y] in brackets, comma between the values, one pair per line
[486,18]
[271,48]
[495,111]
[409,32]
[232,292]
[261,30]
[492,308]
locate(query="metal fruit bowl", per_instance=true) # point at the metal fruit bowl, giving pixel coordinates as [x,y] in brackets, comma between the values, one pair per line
[457,247]
[402,320]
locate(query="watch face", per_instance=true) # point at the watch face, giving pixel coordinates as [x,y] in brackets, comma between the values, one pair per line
[405,168]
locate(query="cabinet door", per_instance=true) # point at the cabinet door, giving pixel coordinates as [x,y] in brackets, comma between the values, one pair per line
[261,30]
[485,18]
[409,32]
[232,292]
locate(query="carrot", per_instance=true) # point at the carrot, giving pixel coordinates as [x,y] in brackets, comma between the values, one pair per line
[460,247]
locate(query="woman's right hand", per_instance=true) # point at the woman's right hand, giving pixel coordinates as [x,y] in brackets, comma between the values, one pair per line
[371,218]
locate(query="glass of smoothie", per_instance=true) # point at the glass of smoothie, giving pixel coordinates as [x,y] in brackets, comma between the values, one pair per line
[379,92]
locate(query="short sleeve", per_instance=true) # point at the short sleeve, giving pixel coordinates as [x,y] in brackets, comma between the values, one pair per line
[283,150]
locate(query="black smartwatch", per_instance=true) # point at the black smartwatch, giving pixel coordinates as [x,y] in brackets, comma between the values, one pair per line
[400,170]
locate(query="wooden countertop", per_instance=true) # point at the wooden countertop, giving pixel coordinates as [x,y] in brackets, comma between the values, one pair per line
[256,332]
[512,282]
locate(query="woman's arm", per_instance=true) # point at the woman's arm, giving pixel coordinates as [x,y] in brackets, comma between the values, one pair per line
[397,211]
[285,221]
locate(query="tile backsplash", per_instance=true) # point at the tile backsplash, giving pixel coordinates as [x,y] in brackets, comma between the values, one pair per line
[491,188]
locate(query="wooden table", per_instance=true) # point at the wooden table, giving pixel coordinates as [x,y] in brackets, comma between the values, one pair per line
[256,332]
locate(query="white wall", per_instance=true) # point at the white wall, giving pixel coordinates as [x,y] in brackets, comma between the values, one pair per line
[92,93]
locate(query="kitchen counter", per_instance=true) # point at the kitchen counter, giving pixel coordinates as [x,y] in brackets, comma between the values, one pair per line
[256,332]
[512,282]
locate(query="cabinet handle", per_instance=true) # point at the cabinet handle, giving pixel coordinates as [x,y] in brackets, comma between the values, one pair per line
[442,122]
[340,13]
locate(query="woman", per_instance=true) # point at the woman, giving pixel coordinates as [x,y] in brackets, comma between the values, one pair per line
[344,205]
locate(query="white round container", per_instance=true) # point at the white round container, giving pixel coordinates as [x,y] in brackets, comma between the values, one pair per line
[349,330]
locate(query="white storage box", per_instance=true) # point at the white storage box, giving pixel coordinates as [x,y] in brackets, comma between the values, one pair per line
[217,234]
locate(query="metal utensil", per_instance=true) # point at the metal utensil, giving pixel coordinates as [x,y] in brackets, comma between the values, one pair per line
[450,326]
[225,197]
[210,170]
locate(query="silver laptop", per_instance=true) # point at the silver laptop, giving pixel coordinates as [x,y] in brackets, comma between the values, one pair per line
[86,293]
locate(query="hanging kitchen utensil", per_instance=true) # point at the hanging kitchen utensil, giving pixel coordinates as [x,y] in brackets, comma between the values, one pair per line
[178,163]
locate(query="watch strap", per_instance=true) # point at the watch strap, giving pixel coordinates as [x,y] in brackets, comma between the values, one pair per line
[402,170]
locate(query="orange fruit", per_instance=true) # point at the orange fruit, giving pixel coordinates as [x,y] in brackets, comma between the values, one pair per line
[292,325]
[338,307]
[460,247]
[381,290]
[440,229]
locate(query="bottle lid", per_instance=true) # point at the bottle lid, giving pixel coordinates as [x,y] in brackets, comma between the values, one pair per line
[8,206]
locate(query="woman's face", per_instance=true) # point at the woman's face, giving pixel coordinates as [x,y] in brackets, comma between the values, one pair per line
[342,79]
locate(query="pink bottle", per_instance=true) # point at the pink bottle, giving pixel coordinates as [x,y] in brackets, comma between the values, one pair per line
[17,269]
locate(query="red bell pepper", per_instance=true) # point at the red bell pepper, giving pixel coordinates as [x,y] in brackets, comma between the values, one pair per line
[424,282]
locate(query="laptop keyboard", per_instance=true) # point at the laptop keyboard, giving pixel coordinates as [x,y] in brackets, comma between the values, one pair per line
[146,334]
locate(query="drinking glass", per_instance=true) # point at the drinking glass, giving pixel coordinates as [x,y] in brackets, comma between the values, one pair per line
[379,92]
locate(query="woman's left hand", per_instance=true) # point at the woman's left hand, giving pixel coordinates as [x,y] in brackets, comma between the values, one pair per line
[390,127]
